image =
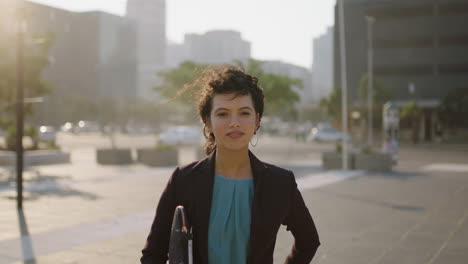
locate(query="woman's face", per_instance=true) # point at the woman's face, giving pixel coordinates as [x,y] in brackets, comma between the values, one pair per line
[233,121]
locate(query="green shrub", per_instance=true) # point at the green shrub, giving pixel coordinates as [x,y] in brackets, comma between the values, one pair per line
[165,147]
[367,149]
[339,148]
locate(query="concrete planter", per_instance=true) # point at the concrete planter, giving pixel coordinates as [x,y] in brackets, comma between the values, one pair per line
[333,161]
[374,161]
[35,158]
[114,156]
[158,157]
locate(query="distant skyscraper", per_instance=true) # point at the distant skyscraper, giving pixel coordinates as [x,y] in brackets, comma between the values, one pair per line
[7,21]
[217,47]
[92,56]
[150,17]
[176,53]
[322,65]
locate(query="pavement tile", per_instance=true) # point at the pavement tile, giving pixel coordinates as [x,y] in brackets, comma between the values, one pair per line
[401,217]
[403,255]
[452,258]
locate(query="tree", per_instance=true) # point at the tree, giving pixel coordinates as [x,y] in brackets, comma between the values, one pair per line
[173,81]
[332,106]
[278,89]
[36,50]
[380,95]
[412,112]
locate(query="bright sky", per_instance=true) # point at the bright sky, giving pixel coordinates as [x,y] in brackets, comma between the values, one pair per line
[277,29]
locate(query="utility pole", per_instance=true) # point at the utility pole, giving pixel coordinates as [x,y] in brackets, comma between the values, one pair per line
[344,87]
[370,82]
[21,26]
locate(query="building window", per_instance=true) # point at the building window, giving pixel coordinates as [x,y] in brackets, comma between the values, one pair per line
[453,68]
[460,40]
[404,70]
[66,28]
[393,13]
[413,42]
[453,8]
[51,15]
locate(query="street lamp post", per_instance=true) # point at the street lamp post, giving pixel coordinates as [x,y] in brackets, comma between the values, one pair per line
[370,75]
[344,80]
[19,109]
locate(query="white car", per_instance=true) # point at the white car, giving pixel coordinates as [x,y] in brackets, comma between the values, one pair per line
[181,135]
[86,126]
[326,134]
[47,133]
[67,127]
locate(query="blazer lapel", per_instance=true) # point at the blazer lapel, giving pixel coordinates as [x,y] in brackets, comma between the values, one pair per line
[204,182]
[259,172]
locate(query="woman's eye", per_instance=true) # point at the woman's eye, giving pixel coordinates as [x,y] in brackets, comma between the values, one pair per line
[222,114]
[245,113]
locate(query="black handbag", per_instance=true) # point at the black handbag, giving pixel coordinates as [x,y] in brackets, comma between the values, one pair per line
[180,245]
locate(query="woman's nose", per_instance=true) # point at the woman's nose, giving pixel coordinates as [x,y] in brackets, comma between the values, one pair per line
[234,122]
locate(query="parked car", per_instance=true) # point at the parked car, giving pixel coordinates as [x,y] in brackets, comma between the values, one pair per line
[183,135]
[67,127]
[86,126]
[326,134]
[47,133]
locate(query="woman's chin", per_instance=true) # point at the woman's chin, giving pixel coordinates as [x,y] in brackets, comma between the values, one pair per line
[235,147]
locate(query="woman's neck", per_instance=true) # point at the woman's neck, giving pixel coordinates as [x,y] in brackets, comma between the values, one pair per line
[233,164]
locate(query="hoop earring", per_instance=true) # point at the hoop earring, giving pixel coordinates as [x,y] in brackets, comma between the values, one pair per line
[256,141]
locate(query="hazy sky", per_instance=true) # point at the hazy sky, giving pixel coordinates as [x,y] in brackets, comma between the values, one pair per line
[277,29]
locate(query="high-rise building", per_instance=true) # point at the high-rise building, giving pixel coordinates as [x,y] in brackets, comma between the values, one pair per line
[176,53]
[420,46]
[150,19]
[322,65]
[420,49]
[93,54]
[217,47]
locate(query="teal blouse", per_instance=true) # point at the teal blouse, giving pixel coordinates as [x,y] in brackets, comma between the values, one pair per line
[229,228]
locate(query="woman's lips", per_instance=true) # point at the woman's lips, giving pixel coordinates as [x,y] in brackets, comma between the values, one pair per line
[235,134]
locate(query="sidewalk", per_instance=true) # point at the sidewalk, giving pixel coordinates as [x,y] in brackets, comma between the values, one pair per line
[86,213]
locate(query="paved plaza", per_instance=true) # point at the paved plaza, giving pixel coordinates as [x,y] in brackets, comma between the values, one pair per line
[86,213]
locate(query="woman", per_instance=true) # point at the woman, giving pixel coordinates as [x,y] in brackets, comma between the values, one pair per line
[234,202]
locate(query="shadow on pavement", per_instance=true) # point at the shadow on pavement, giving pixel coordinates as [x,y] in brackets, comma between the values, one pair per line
[29,178]
[302,170]
[374,202]
[26,243]
[44,185]
[401,175]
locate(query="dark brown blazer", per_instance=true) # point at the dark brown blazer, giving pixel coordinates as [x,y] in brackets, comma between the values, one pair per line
[276,201]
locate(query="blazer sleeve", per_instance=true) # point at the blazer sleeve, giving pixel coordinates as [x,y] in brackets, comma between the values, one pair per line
[157,244]
[300,223]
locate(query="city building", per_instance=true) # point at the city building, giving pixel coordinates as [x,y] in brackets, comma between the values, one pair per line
[420,49]
[150,19]
[93,55]
[176,53]
[217,47]
[322,64]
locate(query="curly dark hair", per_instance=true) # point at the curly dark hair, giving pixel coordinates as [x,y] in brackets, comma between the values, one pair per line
[224,79]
